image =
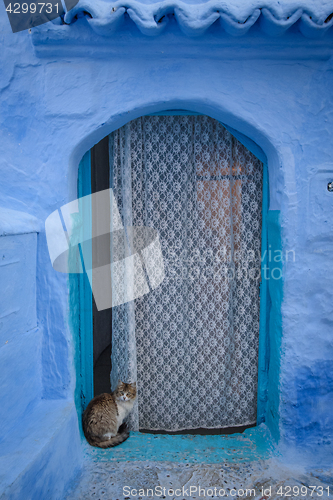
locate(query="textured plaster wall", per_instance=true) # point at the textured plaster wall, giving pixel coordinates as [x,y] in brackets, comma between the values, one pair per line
[277,92]
[36,434]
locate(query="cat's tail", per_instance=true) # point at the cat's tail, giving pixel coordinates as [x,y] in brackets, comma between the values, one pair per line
[122,435]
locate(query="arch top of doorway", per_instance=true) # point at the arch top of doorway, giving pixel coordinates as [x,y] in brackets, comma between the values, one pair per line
[252,132]
[255,133]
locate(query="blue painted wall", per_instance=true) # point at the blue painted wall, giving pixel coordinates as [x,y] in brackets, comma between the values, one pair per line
[62,93]
[36,433]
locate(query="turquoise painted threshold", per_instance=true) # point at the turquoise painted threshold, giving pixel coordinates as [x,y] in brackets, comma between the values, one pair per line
[253,444]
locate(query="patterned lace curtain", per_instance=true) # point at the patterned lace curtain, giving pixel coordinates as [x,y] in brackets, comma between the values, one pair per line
[192,343]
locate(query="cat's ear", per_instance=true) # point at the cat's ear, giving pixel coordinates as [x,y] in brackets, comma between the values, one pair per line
[134,384]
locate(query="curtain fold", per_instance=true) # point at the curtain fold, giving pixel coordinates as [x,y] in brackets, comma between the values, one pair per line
[192,343]
[123,353]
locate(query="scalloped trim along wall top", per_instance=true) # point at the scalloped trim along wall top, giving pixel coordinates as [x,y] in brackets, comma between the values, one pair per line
[313,17]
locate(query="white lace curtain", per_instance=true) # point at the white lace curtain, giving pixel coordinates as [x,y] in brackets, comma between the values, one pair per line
[192,343]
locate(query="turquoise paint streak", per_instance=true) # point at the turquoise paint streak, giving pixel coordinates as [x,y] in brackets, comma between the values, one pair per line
[275,296]
[253,444]
[81,316]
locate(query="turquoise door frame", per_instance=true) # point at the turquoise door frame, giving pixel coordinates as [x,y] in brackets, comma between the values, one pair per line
[81,292]
[82,308]
[263,360]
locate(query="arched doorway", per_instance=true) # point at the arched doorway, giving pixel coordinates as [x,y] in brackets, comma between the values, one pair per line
[196,337]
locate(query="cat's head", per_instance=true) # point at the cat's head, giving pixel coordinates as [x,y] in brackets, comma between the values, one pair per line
[125,392]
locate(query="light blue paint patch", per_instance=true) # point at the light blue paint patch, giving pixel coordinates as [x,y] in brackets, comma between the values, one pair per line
[308,421]
[21,384]
[42,457]
[253,444]
[18,284]
[14,222]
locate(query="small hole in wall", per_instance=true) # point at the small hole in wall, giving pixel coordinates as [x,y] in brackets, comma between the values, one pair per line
[160,20]
[327,20]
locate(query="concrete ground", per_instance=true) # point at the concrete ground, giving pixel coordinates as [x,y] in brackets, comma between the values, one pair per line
[175,467]
[169,480]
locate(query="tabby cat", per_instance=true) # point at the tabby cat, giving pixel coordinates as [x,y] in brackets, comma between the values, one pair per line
[104,415]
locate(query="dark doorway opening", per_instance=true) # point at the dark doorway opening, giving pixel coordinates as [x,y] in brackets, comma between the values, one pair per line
[102,320]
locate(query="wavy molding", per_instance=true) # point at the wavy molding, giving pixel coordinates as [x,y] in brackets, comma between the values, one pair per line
[105,17]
